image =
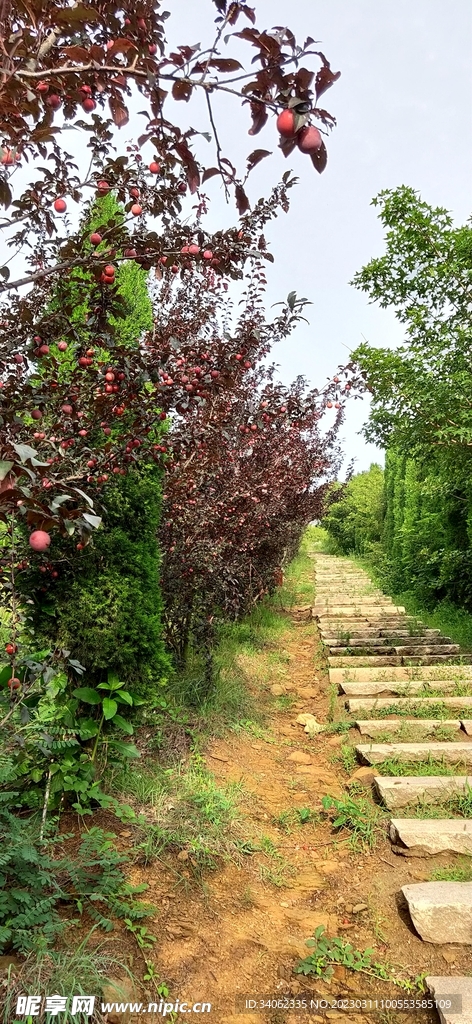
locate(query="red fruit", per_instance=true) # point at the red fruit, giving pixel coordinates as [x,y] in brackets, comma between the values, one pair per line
[43,350]
[18,358]
[208,255]
[130,253]
[309,140]
[83,433]
[136,210]
[11,649]
[103,187]
[286,124]
[85,89]
[60,205]
[174,269]
[110,376]
[83,361]
[109,270]
[37,414]
[62,346]
[54,101]
[194,250]
[329,405]
[142,24]
[107,430]
[7,157]
[14,683]
[152,49]
[88,105]
[67,409]
[163,260]
[182,187]
[134,192]
[95,238]
[91,463]
[154,167]
[238,356]
[42,87]
[39,540]
[248,365]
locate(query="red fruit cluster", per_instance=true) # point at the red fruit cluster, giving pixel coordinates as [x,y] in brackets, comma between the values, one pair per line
[308,138]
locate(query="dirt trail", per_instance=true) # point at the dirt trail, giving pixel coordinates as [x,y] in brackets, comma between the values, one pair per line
[240,934]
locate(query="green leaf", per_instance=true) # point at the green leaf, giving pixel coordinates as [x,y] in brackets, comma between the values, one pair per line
[126,749]
[109,708]
[87,694]
[123,724]
[87,728]
[123,696]
[5,468]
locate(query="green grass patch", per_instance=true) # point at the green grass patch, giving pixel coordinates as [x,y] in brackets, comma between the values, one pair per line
[358,815]
[417,710]
[430,766]
[459,805]
[461,872]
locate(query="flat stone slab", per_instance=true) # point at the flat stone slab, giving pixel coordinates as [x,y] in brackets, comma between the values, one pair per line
[375,640]
[466,724]
[391,686]
[374,726]
[360,608]
[406,704]
[388,652]
[451,753]
[401,674]
[441,911]
[440,835]
[409,789]
[387,660]
[459,991]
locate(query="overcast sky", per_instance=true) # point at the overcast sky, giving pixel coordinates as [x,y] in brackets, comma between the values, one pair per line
[404,111]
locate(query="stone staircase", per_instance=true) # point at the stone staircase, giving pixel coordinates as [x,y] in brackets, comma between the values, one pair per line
[384,662]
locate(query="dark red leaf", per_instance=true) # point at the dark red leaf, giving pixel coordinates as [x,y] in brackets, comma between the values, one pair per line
[210,173]
[225,64]
[287,146]
[303,79]
[325,79]
[190,164]
[259,117]
[71,15]
[319,159]
[97,53]
[182,90]
[5,193]
[121,46]
[242,201]
[119,113]
[256,156]
[77,53]
[250,14]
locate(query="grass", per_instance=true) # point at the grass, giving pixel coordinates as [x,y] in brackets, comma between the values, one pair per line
[183,809]
[461,872]
[408,732]
[346,757]
[438,710]
[459,805]
[430,766]
[363,819]
[78,972]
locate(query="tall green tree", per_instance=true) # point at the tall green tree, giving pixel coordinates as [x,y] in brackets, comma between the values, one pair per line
[354,513]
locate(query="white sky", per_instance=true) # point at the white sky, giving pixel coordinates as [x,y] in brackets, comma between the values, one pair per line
[404,112]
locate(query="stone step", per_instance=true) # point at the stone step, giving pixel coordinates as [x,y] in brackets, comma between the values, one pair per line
[406,790]
[378,643]
[380,661]
[449,753]
[458,991]
[403,673]
[377,726]
[439,835]
[441,911]
[403,689]
[373,633]
[351,622]
[401,651]
[361,609]
[407,705]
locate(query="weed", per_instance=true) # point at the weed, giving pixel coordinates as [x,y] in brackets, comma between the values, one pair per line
[327,953]
[430,766]
[461,872]
[332,701]
[341,726]
[358,815]
[459,805]
[346,756]
[284,702]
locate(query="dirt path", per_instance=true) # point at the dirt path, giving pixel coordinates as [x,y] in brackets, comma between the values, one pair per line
[241,933]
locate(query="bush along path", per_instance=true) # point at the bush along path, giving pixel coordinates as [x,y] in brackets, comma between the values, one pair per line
[409,690]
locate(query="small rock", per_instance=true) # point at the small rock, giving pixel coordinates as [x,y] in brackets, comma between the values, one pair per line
[277,690]
[183,855]
[300,757]
[335,741]
[364,775]
[359,907]
[119,990]
[126,834]
[449,955]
